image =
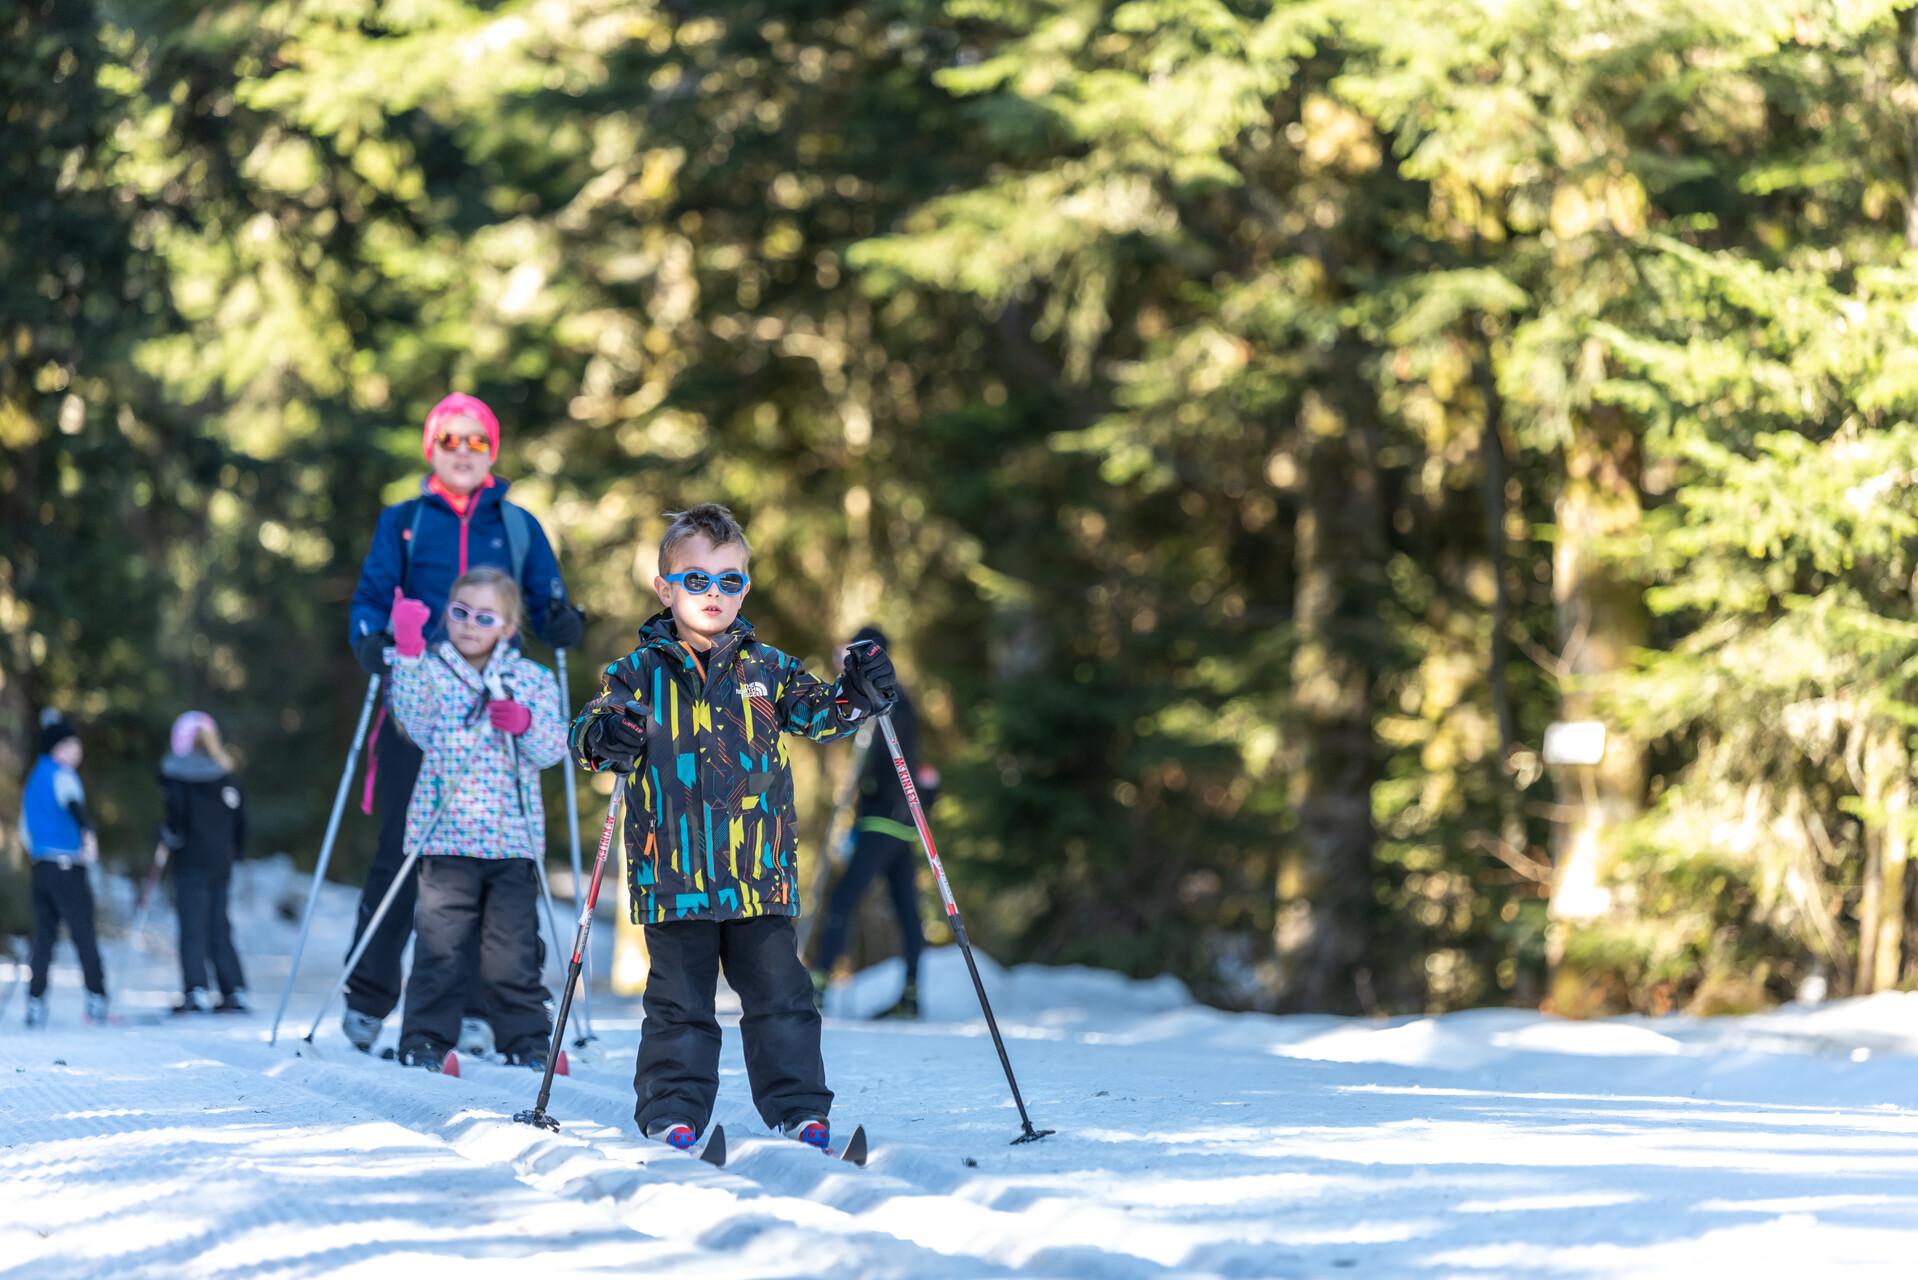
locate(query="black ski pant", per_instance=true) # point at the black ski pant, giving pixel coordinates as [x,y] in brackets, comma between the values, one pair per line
[492,903]
[373,988]
[677,1074]
[62,894]
[206,935]
[876,854]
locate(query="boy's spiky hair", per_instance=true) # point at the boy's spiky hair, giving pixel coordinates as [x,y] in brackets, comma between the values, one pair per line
[709,520]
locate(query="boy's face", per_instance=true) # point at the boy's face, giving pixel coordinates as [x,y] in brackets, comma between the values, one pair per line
[706,614]
[469,635]
[458,466]
[68,753]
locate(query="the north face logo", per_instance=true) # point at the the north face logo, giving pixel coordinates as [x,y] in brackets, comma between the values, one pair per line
[757,689]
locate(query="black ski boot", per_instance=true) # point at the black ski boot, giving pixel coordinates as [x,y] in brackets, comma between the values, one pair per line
[423,1053]
[907,1010]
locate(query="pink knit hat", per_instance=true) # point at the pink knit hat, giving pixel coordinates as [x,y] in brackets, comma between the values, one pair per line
[186,728]
[455,405]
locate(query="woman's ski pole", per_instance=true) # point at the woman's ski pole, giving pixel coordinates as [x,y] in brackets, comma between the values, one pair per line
[958,925]
[143,910]
[537,1116]
[366,939]
[326,852]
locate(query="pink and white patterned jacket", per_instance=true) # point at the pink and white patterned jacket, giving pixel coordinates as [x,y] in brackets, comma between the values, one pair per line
[478,790]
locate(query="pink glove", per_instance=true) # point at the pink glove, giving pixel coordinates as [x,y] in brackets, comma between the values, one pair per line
[408,621]
[509,716]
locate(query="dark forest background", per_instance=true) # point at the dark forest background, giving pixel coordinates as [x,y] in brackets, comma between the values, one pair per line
[1254,422]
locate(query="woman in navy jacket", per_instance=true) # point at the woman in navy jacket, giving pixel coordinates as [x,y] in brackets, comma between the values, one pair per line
[460,521]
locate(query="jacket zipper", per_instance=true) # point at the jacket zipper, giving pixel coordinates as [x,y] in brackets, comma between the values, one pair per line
[698,834]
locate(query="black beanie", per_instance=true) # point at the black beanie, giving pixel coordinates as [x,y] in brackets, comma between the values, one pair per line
[54,730]
[870,632]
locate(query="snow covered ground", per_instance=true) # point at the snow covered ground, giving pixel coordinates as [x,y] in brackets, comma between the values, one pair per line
[1191,1142]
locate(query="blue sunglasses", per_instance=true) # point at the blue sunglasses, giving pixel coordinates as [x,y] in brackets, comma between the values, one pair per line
[699,582]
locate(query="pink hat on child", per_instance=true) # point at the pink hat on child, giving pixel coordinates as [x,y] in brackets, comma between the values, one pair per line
[456,405]
[186,728]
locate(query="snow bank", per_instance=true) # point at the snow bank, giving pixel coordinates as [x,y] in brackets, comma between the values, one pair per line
[1191,1142]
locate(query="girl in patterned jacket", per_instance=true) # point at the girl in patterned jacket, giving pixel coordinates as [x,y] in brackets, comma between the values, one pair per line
[487,720]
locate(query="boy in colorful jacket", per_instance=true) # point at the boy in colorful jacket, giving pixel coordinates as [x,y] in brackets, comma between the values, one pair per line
[696,717]
[486,719]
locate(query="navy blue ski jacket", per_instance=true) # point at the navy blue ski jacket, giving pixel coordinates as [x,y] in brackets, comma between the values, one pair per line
[445,546]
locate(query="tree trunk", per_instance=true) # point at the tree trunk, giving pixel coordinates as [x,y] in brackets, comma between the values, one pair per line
[1881,909]
[1325,905]
[1601,619]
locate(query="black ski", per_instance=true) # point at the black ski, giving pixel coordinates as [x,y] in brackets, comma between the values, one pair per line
[853,1152]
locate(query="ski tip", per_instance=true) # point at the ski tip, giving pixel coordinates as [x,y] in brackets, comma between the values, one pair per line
[855,1150]
[714,1152]
[450,1064]
[561,1066]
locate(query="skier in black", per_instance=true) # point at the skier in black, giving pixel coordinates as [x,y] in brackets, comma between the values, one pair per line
[204,834]
[884,844]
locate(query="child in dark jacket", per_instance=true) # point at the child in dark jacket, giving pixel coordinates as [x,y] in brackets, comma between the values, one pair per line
[205,834]
[486,719]
[696,718]
[59,837]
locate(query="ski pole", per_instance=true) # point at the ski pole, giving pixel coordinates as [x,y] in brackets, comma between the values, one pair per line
[841,804]
[497,689]
[366,939]
[958,925]
[537,1117]
[545,895]
[326,852]
[144,908]
[572,841]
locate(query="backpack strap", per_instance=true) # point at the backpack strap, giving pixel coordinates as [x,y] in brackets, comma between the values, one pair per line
[406,545]
[519,537]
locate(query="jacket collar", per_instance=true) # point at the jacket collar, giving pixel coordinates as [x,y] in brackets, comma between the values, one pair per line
[196,767]
[661,631]
[493,491]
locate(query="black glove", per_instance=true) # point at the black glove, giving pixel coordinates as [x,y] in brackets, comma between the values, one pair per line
[565,625]
[620,741]
[869,684]
[370,649]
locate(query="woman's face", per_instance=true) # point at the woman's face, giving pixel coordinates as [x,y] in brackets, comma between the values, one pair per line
[471,635]
[455,462]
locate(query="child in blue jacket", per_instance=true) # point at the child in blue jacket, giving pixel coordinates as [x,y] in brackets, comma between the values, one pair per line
[60,840]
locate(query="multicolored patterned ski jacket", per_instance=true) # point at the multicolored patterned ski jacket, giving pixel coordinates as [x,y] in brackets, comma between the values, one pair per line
[710,829]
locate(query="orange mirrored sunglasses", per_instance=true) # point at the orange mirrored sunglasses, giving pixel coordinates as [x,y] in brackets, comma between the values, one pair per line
[453,441]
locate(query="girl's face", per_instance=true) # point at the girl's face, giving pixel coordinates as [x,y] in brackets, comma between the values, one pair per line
[68,753]
[456,464]
[484,626]
[703,616]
